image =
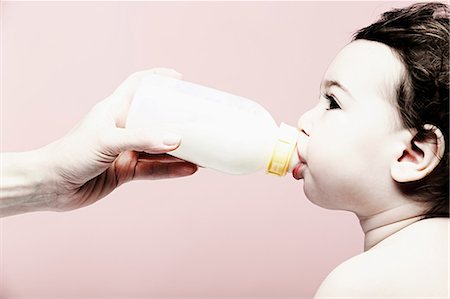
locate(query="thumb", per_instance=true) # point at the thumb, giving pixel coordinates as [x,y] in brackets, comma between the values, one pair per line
[119,140]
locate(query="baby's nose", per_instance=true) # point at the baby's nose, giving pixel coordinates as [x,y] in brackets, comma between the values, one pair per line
[304,124]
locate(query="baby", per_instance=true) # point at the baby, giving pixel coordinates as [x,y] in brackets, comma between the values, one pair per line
[376,144]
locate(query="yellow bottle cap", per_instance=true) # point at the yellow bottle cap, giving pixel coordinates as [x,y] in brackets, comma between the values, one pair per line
[283,150]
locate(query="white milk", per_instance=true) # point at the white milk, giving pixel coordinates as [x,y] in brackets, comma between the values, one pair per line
[218,130]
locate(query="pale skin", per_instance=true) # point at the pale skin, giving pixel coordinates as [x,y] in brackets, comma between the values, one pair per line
[371,153]
[93,159]
[355,152]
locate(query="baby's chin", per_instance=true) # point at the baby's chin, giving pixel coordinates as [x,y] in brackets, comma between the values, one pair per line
[326,201]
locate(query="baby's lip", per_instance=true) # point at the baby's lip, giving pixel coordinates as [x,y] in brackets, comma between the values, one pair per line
[297,172]
[300,156]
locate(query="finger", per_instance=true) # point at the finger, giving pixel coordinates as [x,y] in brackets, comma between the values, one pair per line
[126,89]
[118,140]
[124,167]
[146,170]
[166,72]
[162,158]
[120,100]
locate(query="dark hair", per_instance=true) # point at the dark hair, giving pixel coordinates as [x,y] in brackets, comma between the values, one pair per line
[419,35]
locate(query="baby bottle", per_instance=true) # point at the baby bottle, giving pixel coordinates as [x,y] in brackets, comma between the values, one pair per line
[218,130]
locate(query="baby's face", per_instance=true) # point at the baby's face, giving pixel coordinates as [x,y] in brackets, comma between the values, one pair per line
[348,139]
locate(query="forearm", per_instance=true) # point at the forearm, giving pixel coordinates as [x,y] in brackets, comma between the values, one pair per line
[25,183]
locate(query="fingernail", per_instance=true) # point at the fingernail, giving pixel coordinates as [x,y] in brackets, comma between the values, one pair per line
[171,139]
[187,170]
[179,74]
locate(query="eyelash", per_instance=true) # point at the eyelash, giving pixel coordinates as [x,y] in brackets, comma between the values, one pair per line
[332,101]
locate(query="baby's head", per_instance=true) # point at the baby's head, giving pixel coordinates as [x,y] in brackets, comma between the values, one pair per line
[378,137]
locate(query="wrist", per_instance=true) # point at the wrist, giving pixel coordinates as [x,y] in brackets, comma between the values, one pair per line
[27,183]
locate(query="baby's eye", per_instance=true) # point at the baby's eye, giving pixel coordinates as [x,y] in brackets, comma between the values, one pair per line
[332,101]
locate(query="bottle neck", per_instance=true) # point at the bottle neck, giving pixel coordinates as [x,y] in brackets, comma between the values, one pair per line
[294,160]
[284,155]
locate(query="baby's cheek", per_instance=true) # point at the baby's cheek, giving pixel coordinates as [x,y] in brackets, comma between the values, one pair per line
[327,154]
[337,157]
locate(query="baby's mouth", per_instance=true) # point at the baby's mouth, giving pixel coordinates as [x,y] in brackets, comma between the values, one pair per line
[297,172]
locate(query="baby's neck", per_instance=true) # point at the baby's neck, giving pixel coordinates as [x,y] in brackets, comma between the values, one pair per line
[385,224]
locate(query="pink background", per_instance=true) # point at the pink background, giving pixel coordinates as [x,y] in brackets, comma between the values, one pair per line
[209,235]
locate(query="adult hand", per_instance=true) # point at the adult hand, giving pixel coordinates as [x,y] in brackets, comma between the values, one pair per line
[93,159]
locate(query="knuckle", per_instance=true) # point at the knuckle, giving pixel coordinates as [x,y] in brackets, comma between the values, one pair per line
[105,139]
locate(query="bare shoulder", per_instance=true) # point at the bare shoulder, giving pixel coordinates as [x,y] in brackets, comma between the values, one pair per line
[414,263]
[358,277]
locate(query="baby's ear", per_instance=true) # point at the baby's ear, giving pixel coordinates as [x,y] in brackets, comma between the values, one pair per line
[418,154]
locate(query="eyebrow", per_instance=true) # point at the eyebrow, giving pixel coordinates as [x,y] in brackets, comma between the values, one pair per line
[331,83]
